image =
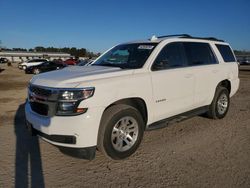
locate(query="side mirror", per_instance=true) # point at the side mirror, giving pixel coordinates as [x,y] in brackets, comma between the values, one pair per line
[160,65]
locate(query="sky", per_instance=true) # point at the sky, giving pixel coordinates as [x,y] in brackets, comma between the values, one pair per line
[100,24]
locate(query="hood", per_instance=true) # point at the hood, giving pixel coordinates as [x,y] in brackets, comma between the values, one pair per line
[71,77]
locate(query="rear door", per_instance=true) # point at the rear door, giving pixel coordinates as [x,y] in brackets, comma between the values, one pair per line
[172,82]
[45,67]
[206,69]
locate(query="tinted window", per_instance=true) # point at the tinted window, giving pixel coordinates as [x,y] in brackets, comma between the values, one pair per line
[46,63]
[171,56]
[36,60]
[199,53]
[226,53]
[31,61]
[40,60]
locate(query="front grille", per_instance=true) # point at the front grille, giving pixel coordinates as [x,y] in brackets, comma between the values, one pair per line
[40,108]
[42,100]
[40,91]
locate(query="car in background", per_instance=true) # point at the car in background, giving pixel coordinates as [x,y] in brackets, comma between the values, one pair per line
[71,61]
[85,62]
[245,62]
[4,60]
[45,67]
[59,61]
[30,63]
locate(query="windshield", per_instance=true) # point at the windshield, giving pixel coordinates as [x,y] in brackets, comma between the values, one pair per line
[131,56]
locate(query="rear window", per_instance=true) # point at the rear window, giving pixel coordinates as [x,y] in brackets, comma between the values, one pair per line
[226,53]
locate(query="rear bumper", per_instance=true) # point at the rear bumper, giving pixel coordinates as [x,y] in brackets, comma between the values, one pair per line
[234,86]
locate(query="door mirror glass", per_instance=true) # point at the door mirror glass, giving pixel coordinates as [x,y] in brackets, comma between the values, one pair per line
[163,64]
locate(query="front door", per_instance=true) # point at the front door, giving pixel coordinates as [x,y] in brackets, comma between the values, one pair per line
[172,82]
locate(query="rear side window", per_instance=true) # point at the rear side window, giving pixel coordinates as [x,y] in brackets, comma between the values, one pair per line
[199,53]
[226,53]
[37,60]
[31,61]
[171,56]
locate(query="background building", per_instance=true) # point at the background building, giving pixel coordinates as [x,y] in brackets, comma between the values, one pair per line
[15,56]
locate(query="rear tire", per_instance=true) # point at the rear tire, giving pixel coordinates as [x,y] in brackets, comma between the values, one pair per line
[121,131]
[220,105]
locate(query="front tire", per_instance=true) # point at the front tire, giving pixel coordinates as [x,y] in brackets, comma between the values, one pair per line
[121,131]
[24,67]
[36,71]
[220,105]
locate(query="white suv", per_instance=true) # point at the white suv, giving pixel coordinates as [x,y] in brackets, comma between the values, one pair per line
[30,63]
[133,87]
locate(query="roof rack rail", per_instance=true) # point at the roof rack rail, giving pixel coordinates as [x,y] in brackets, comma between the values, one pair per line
[177,35]
[188,36]
[205,38]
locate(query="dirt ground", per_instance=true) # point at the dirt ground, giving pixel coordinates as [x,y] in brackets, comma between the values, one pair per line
[198,152]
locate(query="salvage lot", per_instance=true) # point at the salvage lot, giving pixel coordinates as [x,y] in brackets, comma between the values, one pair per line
[198,152]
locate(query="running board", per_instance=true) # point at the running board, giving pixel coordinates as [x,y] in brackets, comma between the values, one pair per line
[178,118]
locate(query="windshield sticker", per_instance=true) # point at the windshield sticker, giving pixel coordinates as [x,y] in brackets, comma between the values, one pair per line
[145,47]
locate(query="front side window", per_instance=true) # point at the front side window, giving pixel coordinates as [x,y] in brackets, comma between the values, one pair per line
[127,56]
[199,53]
[226,53]
[171,56]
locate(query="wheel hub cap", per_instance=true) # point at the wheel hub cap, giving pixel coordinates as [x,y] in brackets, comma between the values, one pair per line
[124,134]
[222,104]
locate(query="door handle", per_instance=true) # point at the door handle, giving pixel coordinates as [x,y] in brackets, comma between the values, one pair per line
[215,71]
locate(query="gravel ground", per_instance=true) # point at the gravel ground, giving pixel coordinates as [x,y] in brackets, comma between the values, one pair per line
[198,152]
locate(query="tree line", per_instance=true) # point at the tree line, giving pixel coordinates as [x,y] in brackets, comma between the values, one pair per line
[242,52]
[77,52]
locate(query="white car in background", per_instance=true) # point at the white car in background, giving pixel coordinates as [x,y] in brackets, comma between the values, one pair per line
[30,63]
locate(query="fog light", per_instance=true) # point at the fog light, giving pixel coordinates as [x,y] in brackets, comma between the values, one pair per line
[69,108]
[66,106]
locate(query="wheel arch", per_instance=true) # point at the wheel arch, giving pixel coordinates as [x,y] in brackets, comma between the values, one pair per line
[135,102]
[225,83]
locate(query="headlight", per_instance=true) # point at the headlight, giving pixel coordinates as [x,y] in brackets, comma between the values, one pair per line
[70,99]
[75,95]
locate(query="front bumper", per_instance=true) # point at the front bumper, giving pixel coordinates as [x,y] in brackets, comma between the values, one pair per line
[72,132]
[28,70]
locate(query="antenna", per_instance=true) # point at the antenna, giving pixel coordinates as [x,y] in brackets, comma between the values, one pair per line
[153,38]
